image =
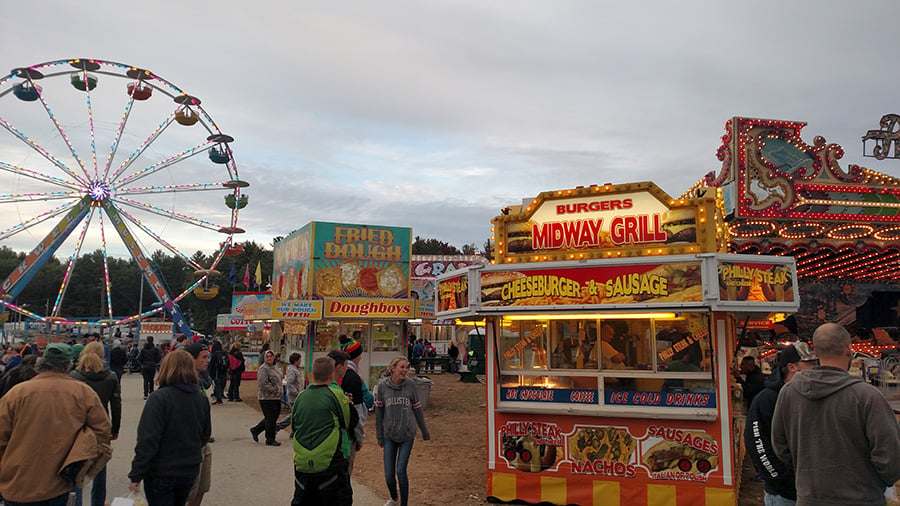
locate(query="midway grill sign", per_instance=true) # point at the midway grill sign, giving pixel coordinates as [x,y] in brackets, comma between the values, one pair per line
[637,219]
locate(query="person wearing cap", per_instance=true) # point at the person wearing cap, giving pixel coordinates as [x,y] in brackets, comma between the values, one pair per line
[43,416]
[118,359]
[777,475]
[353,386]
[203,482]
[839,433]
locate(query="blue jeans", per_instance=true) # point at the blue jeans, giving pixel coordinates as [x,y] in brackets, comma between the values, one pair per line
[777,500]
[56,501]
[396,460]
[169,490]
[98,490]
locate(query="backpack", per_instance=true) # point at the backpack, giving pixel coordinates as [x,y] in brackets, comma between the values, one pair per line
[233,362]
[220,358]
[319,457]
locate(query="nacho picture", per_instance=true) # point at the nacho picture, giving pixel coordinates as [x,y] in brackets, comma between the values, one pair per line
[611,444]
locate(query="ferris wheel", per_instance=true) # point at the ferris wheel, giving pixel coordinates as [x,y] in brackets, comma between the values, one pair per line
[101,155]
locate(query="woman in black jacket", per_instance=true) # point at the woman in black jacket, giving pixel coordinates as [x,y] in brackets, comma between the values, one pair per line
[235,370]
[91,370]
[174,426]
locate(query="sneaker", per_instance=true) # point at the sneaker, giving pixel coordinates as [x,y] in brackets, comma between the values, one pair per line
[273,443]
[255,435]
[392,502]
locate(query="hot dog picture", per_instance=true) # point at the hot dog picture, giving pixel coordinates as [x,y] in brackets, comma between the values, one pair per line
[667,455]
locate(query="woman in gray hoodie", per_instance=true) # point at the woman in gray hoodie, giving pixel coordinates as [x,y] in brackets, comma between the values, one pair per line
[397,412]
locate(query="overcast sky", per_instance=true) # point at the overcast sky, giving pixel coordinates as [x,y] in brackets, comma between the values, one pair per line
[435,114]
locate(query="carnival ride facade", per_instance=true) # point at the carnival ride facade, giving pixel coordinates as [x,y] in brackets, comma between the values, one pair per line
[785,197]
[109,149]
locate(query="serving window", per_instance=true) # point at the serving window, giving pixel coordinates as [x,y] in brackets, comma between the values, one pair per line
[616,361]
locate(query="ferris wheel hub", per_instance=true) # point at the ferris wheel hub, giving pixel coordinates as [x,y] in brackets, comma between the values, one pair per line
[99,191]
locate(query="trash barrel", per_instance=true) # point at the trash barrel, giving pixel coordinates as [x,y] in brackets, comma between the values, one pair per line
[423,388]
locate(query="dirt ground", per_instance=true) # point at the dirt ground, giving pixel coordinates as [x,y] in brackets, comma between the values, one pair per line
[451,469]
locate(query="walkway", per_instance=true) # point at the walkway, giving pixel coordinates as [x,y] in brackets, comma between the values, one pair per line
[243,472]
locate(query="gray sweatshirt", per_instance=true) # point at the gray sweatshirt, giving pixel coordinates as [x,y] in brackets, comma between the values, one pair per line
[841,436]
[268,384]
[398,411]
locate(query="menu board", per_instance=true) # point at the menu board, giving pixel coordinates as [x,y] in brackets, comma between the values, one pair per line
[453,293]
[755,282]
[606,284]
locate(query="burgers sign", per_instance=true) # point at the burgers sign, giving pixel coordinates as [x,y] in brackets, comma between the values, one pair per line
[599,218]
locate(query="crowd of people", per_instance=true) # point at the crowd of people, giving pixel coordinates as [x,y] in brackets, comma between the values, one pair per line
[818,435]
[77,388]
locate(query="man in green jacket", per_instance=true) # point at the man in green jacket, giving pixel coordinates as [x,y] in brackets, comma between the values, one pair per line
[319,418]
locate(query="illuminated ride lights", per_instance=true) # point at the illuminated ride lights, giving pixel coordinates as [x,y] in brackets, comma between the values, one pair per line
[119,152]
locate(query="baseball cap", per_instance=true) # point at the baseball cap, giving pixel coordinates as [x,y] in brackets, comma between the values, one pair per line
[61,351]
[194,349]
[796,352]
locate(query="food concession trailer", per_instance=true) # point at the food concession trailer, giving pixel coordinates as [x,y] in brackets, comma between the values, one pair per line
[331,279]
[611,324]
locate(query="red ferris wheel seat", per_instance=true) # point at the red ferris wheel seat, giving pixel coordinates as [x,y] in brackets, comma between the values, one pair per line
[140,91]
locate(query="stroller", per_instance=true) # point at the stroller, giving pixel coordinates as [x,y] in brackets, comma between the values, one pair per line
[133,364]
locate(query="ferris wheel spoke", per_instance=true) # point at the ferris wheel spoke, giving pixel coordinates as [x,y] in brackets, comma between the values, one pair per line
[30,197]
[90,108]
[174,188]
[64,286]
[37,147]
[105,266]
[168,162]
[22,171]
[25,225]
[118,136]
[169,214]
[62,133]
[159,239]
[144,145]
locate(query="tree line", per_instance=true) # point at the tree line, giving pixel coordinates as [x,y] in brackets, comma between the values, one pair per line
[85,296]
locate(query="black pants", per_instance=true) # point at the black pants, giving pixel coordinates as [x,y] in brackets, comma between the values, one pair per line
[331,486]
[234,387]
[166,491]
[148,373]
[271,408]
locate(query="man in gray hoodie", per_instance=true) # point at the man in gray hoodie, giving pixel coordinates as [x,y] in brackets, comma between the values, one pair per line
[839,432]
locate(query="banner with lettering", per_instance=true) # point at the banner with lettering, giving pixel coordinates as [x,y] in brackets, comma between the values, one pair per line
[297,309]
[603,284]
[755,282]
[360,261]
[453,293]
[369,308]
